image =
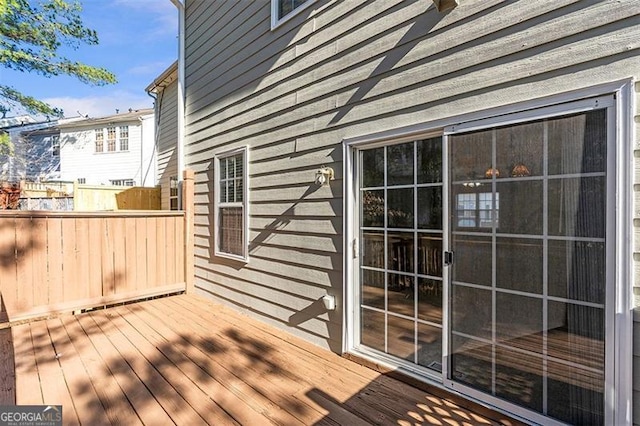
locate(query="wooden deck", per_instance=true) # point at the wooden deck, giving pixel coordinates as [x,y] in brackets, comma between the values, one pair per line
[184,360]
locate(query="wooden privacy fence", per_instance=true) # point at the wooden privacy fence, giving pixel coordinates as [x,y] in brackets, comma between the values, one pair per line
[101,198]
[52,262]
[61,261]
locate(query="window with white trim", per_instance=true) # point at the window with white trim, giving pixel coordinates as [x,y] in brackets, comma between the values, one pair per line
[117,139]
[122,182]
[282,10]
[124,138]
[230,204]
[99,140]
[173,193]
[111,139]
[55,145]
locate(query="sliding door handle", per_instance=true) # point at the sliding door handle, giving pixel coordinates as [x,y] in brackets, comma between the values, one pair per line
[448,258]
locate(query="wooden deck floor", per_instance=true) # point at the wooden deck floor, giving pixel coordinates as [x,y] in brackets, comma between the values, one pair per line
[183,360]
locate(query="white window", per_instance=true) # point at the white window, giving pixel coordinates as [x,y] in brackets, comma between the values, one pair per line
[476,209]
[124,138]
[173,193]
[117,139]
[99,140]
[55,145]
[82,180]
[122,182]
[283,10]
[230,204]
[111,139]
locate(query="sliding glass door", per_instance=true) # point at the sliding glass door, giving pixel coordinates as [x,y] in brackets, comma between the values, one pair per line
[528,218]
[400,265]
[486,259]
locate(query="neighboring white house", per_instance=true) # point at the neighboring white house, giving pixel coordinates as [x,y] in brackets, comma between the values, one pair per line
[114,150]
[34,153]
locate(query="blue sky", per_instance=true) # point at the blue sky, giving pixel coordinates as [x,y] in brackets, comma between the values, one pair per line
[138,40]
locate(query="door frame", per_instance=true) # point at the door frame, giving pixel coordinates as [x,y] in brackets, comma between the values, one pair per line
[618,396]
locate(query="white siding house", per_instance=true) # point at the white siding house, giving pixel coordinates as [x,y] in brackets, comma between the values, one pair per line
[34,154]
[462,183]
[113,150]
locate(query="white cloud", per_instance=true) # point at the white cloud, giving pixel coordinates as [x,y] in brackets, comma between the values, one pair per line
[99,106]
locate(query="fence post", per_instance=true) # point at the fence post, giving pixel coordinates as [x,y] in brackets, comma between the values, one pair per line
[188,207]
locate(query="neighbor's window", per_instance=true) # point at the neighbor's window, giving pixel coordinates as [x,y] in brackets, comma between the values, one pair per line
[231,204]
[476,210]
[99,140]
[122,182]
[124,138]
[173,193]
[82,180]
[111,139]
[55,145]
[282,10]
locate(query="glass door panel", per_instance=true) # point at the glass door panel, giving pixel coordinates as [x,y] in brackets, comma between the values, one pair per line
[527,293]
[400,265]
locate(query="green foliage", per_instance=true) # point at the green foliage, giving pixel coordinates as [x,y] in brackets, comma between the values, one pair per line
[6,147]
[31,34]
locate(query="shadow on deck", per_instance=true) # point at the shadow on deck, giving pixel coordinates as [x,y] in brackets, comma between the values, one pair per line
[185,360]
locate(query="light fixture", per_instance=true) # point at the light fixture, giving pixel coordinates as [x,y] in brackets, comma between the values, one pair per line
[491,172]
[520,170]
[324,175]
[445,5]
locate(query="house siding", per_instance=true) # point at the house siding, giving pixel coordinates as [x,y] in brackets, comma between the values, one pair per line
[167,137]
[41,164]
[345,69]
[32,158]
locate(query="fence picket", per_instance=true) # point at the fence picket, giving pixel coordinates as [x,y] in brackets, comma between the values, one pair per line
[8,277]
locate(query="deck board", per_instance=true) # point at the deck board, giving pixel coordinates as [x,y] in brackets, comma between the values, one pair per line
[186,360]
[7,369]
[247,405]
[85,399]
[172,368]
[299,371]
[27,381]
[149,402]
[118,410]
[52,381]
[235,361]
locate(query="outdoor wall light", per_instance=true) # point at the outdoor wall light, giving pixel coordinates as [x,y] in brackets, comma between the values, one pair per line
[445,5]
[324,175]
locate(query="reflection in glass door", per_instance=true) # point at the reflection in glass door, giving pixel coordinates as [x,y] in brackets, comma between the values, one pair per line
[528,282]
[400,270]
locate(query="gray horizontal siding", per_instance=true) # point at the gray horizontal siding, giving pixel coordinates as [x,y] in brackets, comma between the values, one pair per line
[344,69]
[167,139]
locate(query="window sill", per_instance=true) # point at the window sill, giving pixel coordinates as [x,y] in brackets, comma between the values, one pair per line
[110,152]
[230,256]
